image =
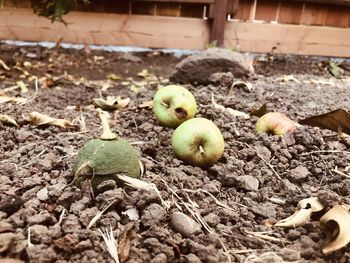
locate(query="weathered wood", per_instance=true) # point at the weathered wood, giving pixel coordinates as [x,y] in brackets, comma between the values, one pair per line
[219,22]
[295,39]
[314,14]
[338,16]
[266,10]
[244,10]
[106,29]
[290,12]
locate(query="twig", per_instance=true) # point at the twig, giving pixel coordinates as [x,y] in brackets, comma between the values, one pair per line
[29,243]
[340,173]
[326,151]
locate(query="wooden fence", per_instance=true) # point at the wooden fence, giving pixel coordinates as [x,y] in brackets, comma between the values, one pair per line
[312,27]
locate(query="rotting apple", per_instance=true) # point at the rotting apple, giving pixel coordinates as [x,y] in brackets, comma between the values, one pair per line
[174,104]
[275,123]
[198,142]
[105,158]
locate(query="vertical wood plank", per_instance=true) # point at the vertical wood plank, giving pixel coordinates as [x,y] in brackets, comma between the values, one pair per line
[338,16]
[192,10]
[290,12]
[314,14]
[266,10]
[244,9]
[143,8]
[168,9]
[219,22]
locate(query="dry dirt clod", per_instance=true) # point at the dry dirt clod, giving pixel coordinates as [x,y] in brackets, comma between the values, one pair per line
[10,204]
[184,224]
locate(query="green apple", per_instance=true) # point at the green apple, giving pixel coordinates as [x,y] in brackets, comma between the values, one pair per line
[198,142]
[173,105]
[275,123]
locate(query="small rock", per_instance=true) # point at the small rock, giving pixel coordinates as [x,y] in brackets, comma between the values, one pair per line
[11,204]
[212,187]
[328,197]
[248,182]
[299,174]
[153,214]
[116,195]
[6,241]
[69,196]
[289,255]
[40,234]
[199,67]
[130,57]
[41,253]
[265,210]
[87,214]
[293,234]
[160,258]
[132,213]
[192,258]
[184,224]
[42,194]
[211,219]
[44,218]
[106,185]
[263,152]
[55,191]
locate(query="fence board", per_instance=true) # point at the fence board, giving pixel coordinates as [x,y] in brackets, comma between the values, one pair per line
[314,14]
[168,9]
[266,10]
[106,29]
[244,10]
[192,10]
[338,16]
[290,12]
[296,39]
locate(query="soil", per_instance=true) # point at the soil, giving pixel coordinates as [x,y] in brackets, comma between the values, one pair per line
[36,163]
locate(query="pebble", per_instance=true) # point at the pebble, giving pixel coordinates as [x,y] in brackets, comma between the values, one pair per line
[298,174]
[248,182]
[289,255]
[184,224]
[153,214]
[42,194]
[11,204]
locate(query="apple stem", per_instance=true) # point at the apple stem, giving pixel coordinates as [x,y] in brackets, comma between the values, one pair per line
[164,104]
[107,134]
[201,150]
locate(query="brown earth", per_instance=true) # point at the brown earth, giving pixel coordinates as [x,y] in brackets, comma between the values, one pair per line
[253,169]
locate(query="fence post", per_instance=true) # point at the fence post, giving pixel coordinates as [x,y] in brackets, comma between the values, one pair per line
[219,22]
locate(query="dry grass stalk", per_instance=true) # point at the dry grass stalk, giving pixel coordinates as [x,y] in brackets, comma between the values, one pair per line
[111,243]
[98,215]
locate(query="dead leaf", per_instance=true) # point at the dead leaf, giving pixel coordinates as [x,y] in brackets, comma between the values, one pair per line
[7,120]
[22,86]
[287,78]
[344,137]
[247,86]
[143,73]
[259,112]
[39,119]
[111,103]
[338,220]
[113,76]
[303,214]
[334,69]
[3,65]
[231,111]
[47,82]
[124,241]
[146,104]
[4,99]
[334,121]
